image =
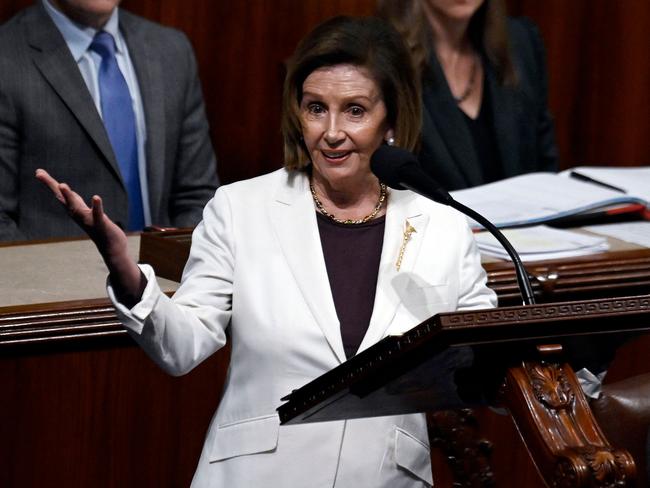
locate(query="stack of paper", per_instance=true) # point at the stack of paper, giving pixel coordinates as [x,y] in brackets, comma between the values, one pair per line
[633,181]
[537,198]
[634,232]
[542,242]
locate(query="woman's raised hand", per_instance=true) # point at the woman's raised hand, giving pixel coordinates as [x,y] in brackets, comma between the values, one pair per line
[127,279]
[107,236]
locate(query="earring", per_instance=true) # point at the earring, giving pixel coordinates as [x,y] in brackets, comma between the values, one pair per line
[390,141]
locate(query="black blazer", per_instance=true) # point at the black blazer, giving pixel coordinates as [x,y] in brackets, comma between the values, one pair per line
[48,119]
[523,126]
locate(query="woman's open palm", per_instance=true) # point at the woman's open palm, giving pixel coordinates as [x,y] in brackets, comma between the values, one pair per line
[107,236]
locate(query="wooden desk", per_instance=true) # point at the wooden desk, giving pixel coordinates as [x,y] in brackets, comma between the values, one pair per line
[83,406]
[624,270]
[80,403]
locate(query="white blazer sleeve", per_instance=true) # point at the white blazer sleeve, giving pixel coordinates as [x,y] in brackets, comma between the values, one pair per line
[181,332]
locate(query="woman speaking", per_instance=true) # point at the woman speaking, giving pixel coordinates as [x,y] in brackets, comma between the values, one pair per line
[302,268]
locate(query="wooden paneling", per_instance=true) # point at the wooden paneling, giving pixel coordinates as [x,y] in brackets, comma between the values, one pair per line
[101,415]
[597,59]
[599,74]
[241,48]
[105,415]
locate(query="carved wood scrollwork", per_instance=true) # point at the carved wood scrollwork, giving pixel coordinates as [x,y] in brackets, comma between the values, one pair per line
[456,433]
[551,412]
[550,385]
[602,468]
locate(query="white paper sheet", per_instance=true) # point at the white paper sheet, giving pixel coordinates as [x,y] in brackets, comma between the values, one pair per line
[635,181]
[536,197]
[542,242]
[634,232]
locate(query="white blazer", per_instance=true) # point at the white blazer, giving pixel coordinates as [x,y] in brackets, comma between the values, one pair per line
[256,275]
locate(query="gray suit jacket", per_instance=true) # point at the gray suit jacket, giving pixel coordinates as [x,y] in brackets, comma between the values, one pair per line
[48,120]
[523,127]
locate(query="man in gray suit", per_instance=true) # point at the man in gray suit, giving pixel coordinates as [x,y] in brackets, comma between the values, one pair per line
[51,117]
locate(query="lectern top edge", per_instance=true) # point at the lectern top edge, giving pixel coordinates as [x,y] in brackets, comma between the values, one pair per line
[531,323]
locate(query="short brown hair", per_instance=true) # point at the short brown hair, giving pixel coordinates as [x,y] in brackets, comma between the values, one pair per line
[366,42]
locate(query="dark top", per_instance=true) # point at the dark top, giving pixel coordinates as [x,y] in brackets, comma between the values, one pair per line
[352,254]
[482,131]
[524,140]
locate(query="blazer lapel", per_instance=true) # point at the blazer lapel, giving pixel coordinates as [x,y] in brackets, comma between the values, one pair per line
[147,64]
[53,59]
[441,107]
[402,207]
[505,120]
[294,220]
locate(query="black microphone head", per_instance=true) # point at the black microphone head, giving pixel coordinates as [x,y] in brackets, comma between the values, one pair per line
[401,170]
[388,163]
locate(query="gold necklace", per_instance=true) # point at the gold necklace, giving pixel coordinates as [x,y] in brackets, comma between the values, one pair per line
[370,216]
[470,83]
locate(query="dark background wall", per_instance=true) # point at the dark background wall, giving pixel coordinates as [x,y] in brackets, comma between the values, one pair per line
[597,58]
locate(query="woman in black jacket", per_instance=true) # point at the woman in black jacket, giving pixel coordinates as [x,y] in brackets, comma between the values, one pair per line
[484,90]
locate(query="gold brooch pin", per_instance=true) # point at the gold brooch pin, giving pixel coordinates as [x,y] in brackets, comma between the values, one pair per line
[408,230]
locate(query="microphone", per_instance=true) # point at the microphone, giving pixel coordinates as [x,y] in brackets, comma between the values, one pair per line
[400,170]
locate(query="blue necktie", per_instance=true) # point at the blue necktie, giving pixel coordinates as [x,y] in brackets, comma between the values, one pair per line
[119,120]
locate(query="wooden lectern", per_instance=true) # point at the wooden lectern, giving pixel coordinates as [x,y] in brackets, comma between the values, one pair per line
[423,370]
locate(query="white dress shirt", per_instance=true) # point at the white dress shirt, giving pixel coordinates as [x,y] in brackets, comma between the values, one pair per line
[78,39]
